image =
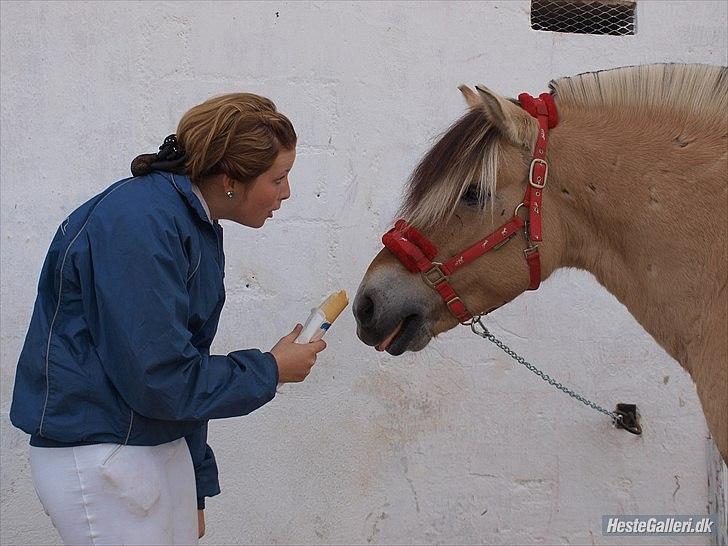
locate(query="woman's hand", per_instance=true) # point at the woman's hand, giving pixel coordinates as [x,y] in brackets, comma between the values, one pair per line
[295,359]
[200,523]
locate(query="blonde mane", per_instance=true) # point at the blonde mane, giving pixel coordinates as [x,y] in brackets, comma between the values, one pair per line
[468,153]
[695,89]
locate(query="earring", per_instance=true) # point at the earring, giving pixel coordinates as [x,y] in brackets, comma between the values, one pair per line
[230,194]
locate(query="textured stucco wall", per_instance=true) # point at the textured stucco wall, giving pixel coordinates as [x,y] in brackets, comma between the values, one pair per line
[455,444]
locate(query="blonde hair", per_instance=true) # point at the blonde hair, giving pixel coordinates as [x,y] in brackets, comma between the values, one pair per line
[237,134]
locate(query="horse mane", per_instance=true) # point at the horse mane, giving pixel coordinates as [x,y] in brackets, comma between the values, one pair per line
[695,89]
[468,152]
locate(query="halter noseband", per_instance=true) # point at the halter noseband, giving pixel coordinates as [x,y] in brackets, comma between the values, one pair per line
[416,252]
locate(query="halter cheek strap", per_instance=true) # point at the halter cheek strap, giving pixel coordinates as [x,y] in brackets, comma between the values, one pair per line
[416,252]
[544,110]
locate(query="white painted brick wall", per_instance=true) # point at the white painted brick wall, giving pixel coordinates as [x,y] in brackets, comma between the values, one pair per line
[455,444]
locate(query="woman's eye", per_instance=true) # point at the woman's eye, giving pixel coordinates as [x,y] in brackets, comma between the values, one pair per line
[473,198]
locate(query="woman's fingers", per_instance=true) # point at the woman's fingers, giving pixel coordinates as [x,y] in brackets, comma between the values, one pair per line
[295,332]
[318,346]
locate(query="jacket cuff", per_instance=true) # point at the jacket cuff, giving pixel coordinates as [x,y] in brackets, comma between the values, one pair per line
[262,371]
[200,503]
[272,361]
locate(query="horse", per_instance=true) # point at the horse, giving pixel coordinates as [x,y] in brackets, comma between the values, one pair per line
[623,173]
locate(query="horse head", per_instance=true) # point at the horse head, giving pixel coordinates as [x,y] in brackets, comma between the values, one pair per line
[461,195]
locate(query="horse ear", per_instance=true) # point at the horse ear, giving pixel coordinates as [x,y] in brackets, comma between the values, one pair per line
[471,97]
[511,120]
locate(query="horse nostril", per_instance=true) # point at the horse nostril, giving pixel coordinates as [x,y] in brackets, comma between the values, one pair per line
[364,310]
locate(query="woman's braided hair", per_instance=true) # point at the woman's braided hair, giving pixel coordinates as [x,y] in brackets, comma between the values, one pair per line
[238,134]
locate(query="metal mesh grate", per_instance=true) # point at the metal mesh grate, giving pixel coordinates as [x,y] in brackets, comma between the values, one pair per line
[614,17]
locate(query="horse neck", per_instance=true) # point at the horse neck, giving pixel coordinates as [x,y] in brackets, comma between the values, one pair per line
[622,191]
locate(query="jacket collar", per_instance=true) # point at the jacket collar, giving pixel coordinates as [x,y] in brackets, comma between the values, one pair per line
[198,193]
[183,185]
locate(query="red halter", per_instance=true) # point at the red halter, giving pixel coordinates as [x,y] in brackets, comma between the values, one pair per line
[416,252]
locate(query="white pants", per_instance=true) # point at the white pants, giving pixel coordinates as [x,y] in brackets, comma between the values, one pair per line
[113,494]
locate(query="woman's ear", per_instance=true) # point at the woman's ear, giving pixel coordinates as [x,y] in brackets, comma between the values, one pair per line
[228,184]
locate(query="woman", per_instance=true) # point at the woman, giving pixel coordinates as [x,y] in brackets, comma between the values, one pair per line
[115,382]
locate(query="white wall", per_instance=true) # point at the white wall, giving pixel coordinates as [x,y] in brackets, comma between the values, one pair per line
[455,444]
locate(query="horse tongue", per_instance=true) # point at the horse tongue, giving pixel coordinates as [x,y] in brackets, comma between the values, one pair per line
[382,346]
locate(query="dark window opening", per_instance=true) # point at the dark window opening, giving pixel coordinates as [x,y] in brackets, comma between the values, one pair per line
[611,17]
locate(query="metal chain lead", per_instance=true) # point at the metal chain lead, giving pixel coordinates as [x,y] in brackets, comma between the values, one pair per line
[485,333]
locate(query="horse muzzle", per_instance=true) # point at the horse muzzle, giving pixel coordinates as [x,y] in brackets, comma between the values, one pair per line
[391,313]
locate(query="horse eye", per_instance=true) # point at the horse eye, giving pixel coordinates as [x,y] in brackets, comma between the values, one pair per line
[472,197]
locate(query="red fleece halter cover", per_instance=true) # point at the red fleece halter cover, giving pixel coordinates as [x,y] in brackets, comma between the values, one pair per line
[410,247]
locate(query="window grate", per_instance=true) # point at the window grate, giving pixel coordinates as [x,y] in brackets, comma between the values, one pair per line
[612,17]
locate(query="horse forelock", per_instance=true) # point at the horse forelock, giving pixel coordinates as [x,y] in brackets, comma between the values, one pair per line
[467,154]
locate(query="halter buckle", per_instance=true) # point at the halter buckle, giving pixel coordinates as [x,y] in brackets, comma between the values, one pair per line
[434,275]
[536,184]
[530,250]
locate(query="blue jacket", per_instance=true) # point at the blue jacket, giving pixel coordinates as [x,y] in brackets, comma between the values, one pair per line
[118,347]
